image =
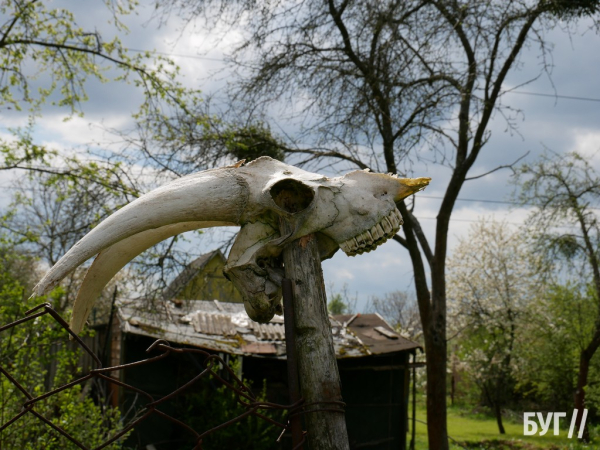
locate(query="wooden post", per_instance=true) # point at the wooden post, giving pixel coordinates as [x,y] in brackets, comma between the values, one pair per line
[317,366]
[287,288]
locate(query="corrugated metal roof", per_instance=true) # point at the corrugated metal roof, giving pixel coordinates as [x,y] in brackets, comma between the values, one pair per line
[226,327]
[217,324]
[376,334]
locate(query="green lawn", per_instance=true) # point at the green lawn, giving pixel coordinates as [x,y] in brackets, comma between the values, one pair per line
[480,432]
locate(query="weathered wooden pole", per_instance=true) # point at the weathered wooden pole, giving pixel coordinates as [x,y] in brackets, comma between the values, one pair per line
[317,367]
[287,288]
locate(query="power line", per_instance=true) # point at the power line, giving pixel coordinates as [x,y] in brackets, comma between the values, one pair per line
[419,218]
[477,200]
[568,97]
[19,188]
[465,220]
[502,202]
[536,94]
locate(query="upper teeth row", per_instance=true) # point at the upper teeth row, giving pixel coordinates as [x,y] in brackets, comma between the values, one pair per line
[376,235]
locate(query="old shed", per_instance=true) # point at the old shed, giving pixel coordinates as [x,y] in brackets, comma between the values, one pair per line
[373,361]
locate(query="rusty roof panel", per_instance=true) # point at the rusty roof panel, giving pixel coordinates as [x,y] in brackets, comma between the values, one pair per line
[227,328]
[364,327]
[260,348]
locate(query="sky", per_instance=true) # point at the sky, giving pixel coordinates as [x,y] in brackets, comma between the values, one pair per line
[549,120]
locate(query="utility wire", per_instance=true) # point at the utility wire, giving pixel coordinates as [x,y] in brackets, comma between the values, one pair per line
[432,197]
[568,97]
[452,219]
[479,200]
[502,202]
[536,94]
[420,218]
[466,220]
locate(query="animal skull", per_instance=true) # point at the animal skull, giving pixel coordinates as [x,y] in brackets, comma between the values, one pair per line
[355,212]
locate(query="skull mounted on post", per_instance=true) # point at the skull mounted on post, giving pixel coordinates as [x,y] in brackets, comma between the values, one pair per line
[355,212]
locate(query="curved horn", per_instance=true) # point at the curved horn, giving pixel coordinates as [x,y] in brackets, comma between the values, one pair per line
[409,186]
[214,195]
[114,258]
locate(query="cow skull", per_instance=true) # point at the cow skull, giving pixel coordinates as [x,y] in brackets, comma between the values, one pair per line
[355,212]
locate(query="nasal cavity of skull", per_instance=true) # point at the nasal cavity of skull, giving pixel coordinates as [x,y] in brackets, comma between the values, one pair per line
[292,195]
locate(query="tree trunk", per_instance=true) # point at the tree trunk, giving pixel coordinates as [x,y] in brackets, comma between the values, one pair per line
[435,350]
[498,413]
[437,359]
[432,310]
[582,379]
[493,397]
[585,357]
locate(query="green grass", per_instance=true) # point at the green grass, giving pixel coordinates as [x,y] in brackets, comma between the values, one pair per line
[479,432]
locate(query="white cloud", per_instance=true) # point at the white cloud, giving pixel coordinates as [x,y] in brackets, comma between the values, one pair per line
[78,131]
[587,143]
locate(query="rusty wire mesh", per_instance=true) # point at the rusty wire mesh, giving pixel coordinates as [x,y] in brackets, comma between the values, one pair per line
[212,365]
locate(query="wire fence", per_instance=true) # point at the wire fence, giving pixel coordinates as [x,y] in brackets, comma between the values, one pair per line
[212,366]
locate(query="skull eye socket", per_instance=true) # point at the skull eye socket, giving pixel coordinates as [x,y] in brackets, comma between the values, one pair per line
[291,195]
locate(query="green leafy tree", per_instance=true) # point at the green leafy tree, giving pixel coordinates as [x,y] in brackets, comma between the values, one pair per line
[341,302]
[493,279]
[176,141]
[559,330]
[50,213]
[565,193]
[46,57]
[337,305]
[39,356]
[67,55]
[251,142]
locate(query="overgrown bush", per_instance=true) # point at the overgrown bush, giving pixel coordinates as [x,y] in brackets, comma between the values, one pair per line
[213,404]
[40,357]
